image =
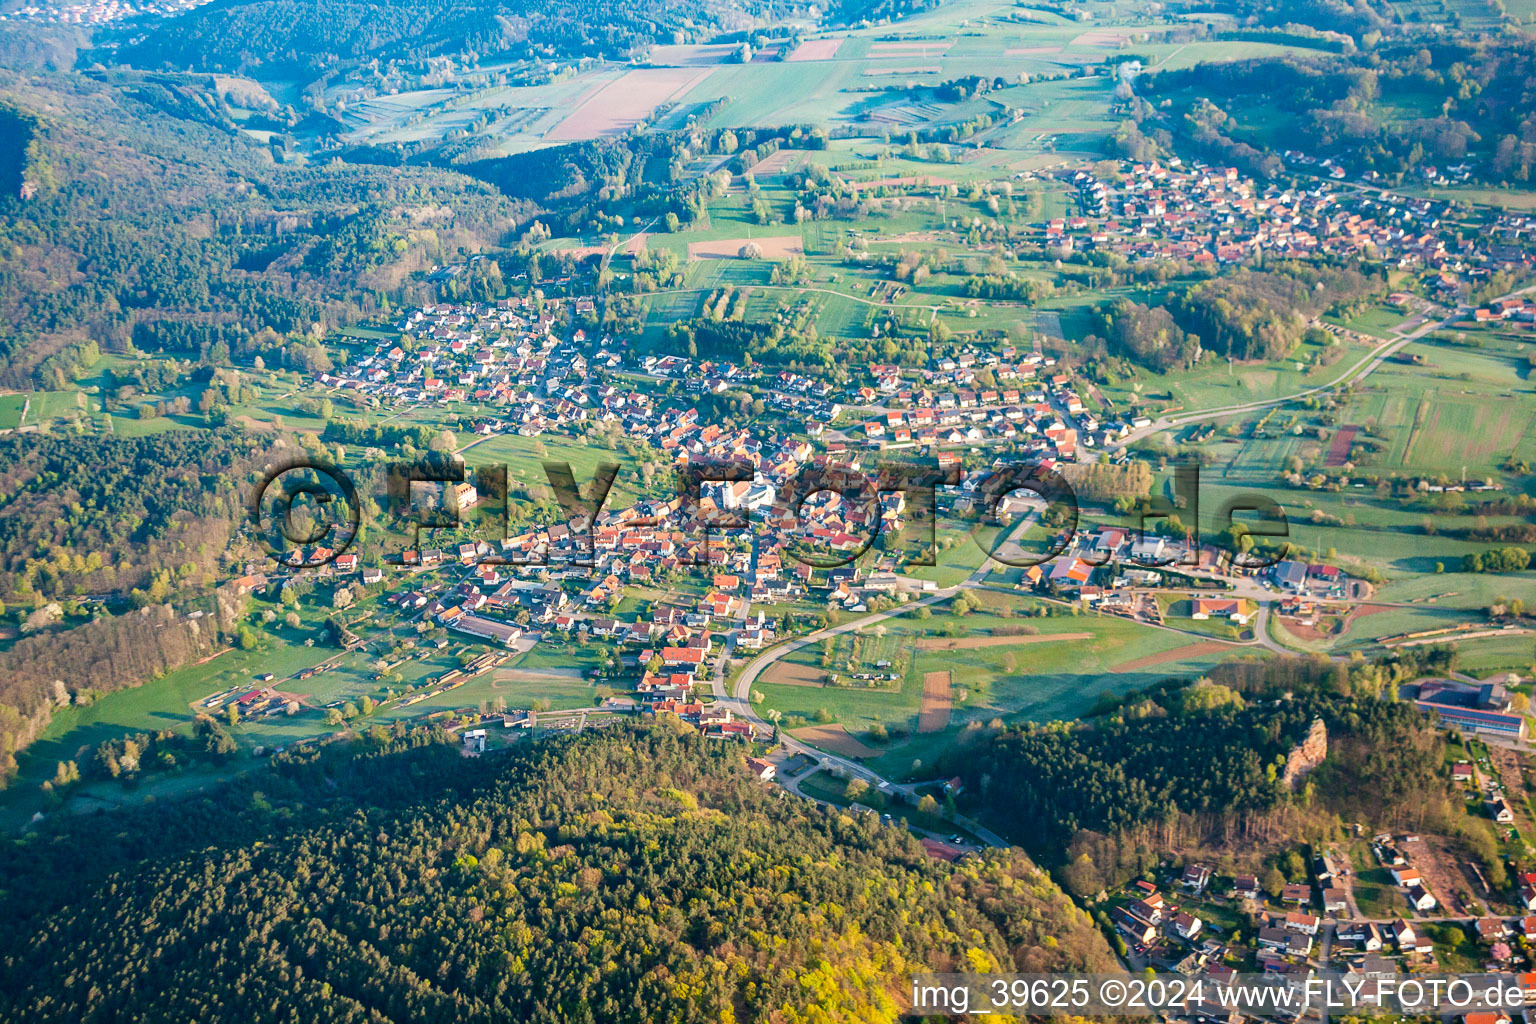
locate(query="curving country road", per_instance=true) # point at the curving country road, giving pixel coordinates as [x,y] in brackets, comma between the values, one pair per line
[740,699]
[1366,366]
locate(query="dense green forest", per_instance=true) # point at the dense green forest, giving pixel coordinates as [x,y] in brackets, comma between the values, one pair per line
[637,875]
[1147,335]
[84,515]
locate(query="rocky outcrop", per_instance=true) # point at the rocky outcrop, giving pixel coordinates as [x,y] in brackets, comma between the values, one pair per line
[1306,755]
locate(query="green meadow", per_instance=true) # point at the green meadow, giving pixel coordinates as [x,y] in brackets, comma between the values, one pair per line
[1022,679]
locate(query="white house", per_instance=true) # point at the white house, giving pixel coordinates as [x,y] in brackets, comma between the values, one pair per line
[1186,925]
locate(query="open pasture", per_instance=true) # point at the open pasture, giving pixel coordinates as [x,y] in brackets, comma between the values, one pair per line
[1456,409]
[524,458]
[1025,677]
[924,47]
[971,643]
[1466,431]
[1199,649]
[11,407]
[690,54]
[1377,321]
[40,407]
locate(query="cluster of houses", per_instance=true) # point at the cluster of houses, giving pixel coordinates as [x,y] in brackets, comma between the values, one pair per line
[1103,567]
[1148,916]
[790,392]
[1392,855]
[1023,401]
[1289,940]
[509,356]
[1520,309]
[1106,567]
[504,354]
[673,645]
[99,12]
[1215,216]
[1045,423]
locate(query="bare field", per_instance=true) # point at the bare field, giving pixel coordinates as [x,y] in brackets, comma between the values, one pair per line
[971,643]
[624,102]
[787,673]
[1338,449]
[1443,866]
[934,714]
[815,49]
[1177,654]
[834,738]
[775,247]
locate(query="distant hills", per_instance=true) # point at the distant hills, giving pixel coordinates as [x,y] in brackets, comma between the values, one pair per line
[305,38]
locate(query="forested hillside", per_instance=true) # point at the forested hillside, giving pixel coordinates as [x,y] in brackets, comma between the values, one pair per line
[640,875]
[85,515]
[300,38]
[309,40]
[1183,765]
[1394,110]
[18,135]
[149,518]
[148,220]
